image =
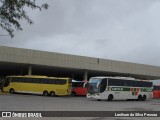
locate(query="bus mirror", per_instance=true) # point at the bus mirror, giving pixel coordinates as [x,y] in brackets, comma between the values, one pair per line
[98,84]
[85,84]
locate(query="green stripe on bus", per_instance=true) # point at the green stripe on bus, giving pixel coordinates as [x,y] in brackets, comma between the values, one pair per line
[129,89]
[126,89]
[146,90]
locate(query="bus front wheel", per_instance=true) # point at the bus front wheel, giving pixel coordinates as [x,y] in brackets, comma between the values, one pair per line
[11,91]
[52,93]
[110,97]
[45,93]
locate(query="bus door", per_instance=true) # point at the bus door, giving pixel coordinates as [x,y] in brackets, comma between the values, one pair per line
[102,87]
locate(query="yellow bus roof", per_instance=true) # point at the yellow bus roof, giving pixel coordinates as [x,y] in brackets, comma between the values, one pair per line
[37,76]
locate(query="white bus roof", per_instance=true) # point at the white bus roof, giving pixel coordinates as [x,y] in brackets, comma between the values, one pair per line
[116,77]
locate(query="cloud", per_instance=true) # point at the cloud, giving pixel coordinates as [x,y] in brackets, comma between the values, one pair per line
[123,30]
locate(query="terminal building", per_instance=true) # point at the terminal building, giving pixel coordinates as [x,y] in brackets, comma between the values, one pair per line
[18,61]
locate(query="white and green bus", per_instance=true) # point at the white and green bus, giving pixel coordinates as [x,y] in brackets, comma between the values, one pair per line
[112,88]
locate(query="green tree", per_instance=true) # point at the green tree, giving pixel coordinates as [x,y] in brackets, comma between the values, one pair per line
[13,11]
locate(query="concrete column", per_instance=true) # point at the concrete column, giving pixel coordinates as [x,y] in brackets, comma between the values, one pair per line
[30,70]
[85,75]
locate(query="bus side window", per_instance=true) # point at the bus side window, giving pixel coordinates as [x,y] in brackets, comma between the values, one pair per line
[144,84]
[29,80]
[129,83]
[123,83]
[63,82]
[53,81]
[103,85]
[49,81]
[150,84]
[58,81]
[34,80]
[44,81]
[135,84]
[21,79]
[38,80]
[147,84]
[139,84]
[110,82]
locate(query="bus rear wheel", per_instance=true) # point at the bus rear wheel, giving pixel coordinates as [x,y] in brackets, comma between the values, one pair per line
[45,93]
[52,93]
[110,98]
[11,91]
[140,98]
[144,97]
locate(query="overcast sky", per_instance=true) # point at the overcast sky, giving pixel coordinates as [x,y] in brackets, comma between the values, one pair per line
[125,30]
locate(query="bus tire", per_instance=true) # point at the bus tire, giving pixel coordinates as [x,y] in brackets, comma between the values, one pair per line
[144,97]
[45,93]
[110,97]
[73,94]
[52,93]
[12,91]
[98,99]
[140,98]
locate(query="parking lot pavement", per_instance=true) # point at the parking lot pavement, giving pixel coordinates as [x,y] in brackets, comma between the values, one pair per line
[68,103]
[27,102]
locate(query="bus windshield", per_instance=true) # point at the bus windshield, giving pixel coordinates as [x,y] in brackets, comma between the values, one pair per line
[92,85]
[95,80]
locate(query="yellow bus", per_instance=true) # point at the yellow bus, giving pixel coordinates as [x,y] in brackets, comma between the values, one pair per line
[38,85]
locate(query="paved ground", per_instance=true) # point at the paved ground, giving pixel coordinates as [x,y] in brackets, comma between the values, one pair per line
[23,102]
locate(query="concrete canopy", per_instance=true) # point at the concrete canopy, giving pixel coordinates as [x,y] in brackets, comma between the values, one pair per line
[18,61]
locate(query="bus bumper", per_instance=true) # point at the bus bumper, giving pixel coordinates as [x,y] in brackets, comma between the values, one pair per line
[93,96]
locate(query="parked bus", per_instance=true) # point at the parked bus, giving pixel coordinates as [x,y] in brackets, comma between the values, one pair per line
[77,88]
[38,84]
[110,88]
[156,91]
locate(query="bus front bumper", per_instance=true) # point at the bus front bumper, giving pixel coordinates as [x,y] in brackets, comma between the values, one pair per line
[93,96]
